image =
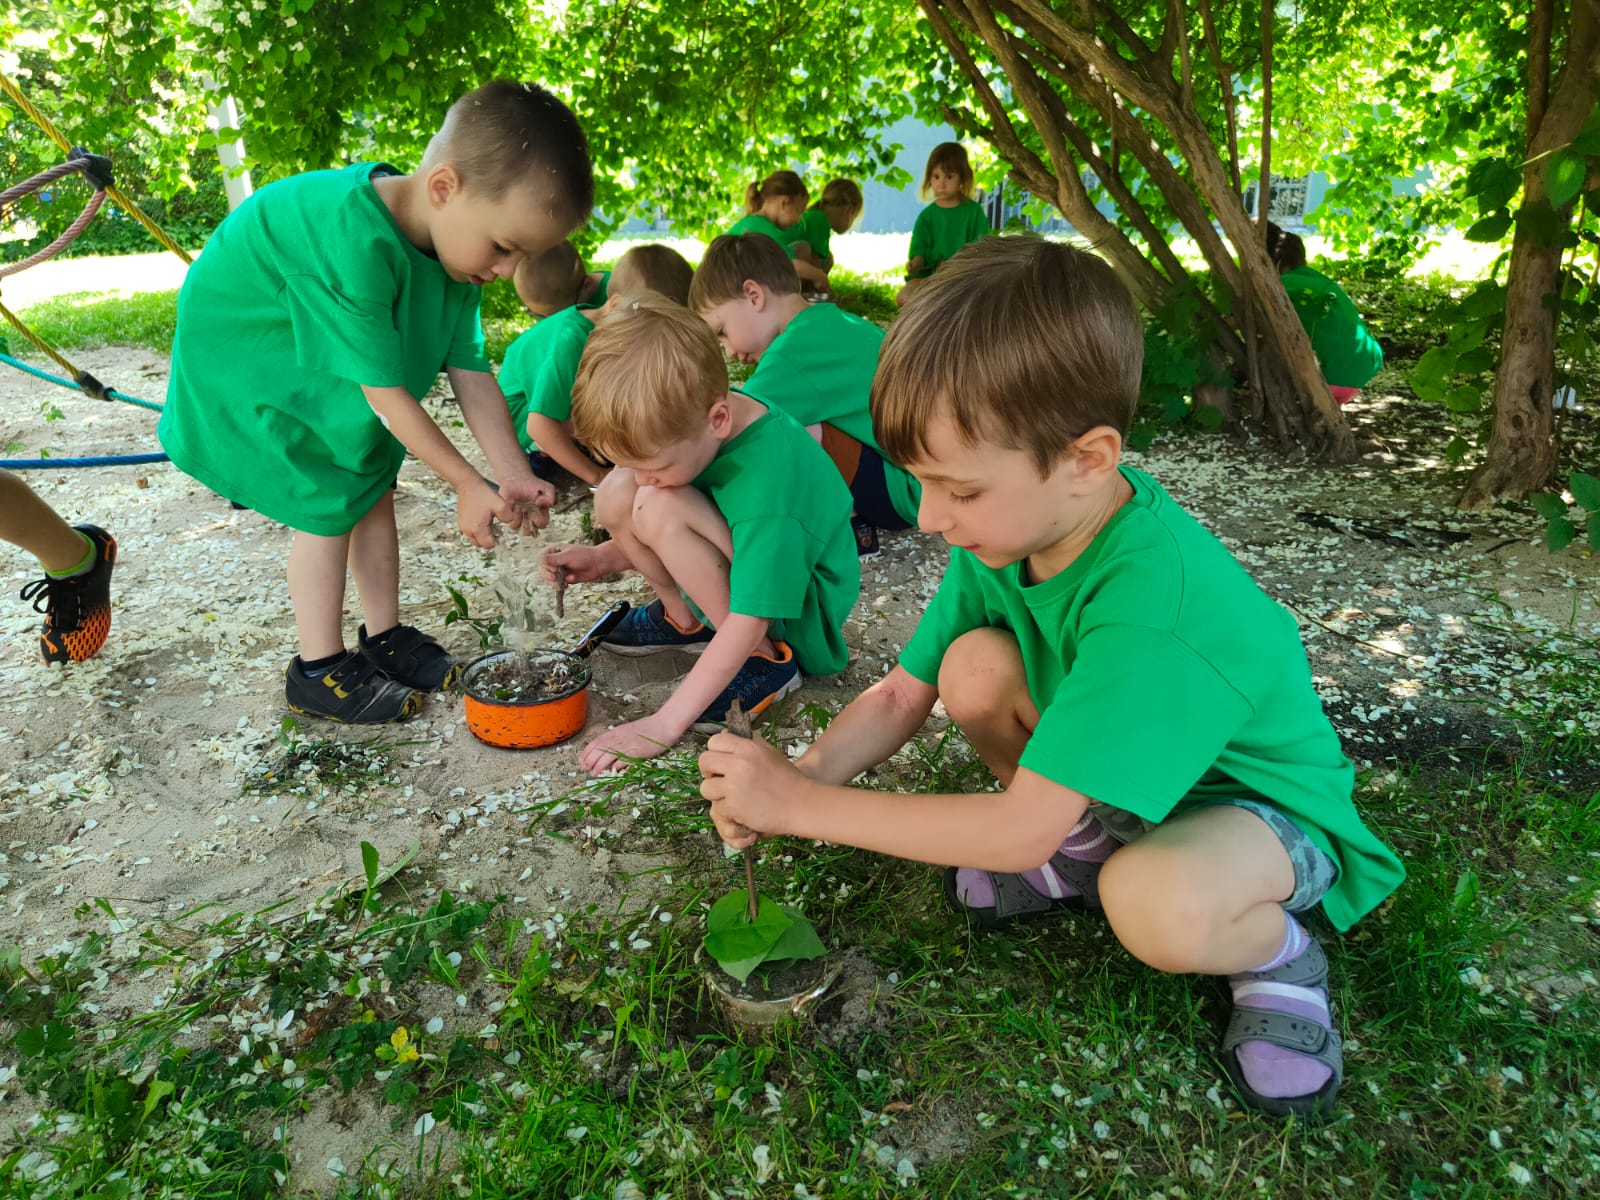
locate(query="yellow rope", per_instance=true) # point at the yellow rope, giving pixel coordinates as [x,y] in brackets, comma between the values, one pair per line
[116,194]
[38,341]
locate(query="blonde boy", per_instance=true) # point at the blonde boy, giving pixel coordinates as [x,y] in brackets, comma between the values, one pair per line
[814,361]
[541,365]
[557,279]
[1115,667]
[731,512]
[320,314]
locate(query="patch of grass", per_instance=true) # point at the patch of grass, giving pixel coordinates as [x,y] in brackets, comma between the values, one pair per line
[89,319]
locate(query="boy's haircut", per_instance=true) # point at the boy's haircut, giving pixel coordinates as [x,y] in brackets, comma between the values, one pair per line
[504,134]
[845,194]
[652,268]
[952,156]
[551,280]
[1022,342]
[649,374]
[779,183]
[1286,250]
[733,258]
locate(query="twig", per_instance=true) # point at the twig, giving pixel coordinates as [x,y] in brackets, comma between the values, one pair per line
[738,724]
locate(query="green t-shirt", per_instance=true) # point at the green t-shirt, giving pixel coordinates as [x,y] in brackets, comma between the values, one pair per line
[756,223]
[540,367]
[812,229]
[304,294]
[794,556]
[940,232]
[1350,356]
[1166,679]
[819,370]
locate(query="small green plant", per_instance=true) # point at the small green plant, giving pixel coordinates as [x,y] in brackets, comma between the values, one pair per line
[591,533]
[1559,528]
[778,933]
[488,631]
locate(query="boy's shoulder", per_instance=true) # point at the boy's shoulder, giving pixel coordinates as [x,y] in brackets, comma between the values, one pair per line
[566,328]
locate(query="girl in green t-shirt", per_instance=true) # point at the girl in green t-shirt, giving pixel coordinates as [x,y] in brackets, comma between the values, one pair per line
[1348,354]
[953,220]
[773,207]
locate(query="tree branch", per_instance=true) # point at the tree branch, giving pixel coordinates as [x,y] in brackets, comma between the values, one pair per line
[1229,102]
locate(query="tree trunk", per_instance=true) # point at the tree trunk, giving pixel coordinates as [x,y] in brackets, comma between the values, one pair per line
[1522,448]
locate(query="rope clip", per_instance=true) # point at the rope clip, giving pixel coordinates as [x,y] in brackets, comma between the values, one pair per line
[98,172]
[92,387]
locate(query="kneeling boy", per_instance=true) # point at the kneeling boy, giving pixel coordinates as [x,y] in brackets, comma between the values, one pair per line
[814,361]
[1117,669]
[730,511]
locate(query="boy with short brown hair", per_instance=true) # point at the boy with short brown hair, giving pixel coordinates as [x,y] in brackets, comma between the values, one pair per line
[730,511]
[320,314]
[814,361]
[1147,709]
[557,279]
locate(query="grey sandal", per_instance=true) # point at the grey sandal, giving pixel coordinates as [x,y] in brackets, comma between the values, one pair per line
[1015,899]
[1315,1041]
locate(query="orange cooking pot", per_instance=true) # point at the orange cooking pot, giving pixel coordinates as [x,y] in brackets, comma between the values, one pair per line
[517,724]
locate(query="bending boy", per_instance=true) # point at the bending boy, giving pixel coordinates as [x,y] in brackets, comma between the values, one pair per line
[320,314]
[730,511]
[1117,669]
[814,361]
[540,366]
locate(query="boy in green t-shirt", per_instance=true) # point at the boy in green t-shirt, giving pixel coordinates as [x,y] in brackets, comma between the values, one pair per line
[730,511]
[1348,355]
[320,314]
[1148,710]
[814,361]
[540,366]
[557,279]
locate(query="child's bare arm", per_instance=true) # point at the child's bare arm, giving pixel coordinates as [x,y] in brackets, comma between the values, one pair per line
[555,439]
[483,405]
[735,641]
[754,792]
[871,728]
[810,272]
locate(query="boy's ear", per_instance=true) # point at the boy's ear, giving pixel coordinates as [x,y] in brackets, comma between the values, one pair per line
[441,183]
[1095,456]
[719,417]
[754,294]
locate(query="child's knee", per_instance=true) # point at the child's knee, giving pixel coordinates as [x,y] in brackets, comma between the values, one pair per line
[1159,910]
[613,500]
[981,674]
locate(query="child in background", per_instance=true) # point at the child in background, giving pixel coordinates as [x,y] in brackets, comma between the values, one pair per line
[774,206]
[1148,710]
[557,279]
[75,593]
[952,221]
[541,365]
[813,361]
[322,311]
[1349,355]
[730,511]
[840,208]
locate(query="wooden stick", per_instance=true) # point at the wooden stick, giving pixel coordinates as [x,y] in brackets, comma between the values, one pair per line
[739,725]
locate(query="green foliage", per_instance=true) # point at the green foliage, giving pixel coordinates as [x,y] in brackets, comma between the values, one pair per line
[487,629]
[778,934]
[1561,530]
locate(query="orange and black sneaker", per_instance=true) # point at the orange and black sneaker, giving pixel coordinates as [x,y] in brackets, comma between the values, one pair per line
[76,608]
[353,690]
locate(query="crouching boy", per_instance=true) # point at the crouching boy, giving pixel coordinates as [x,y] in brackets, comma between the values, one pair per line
[728,508]
[1147,709]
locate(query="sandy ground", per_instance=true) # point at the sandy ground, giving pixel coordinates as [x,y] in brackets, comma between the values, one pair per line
[128,777]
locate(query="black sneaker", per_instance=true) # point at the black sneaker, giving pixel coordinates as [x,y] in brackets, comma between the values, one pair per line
[866,537]
[760,684]
[77,609]
[646,630]
[411,657]
[354,691]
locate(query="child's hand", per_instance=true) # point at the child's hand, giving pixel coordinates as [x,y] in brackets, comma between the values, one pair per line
[478,507]
[636,739]
[750,784]
[580,564]
[531,498]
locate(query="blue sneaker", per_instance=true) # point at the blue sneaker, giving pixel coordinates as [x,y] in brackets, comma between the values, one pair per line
[760,684]
[648,629]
